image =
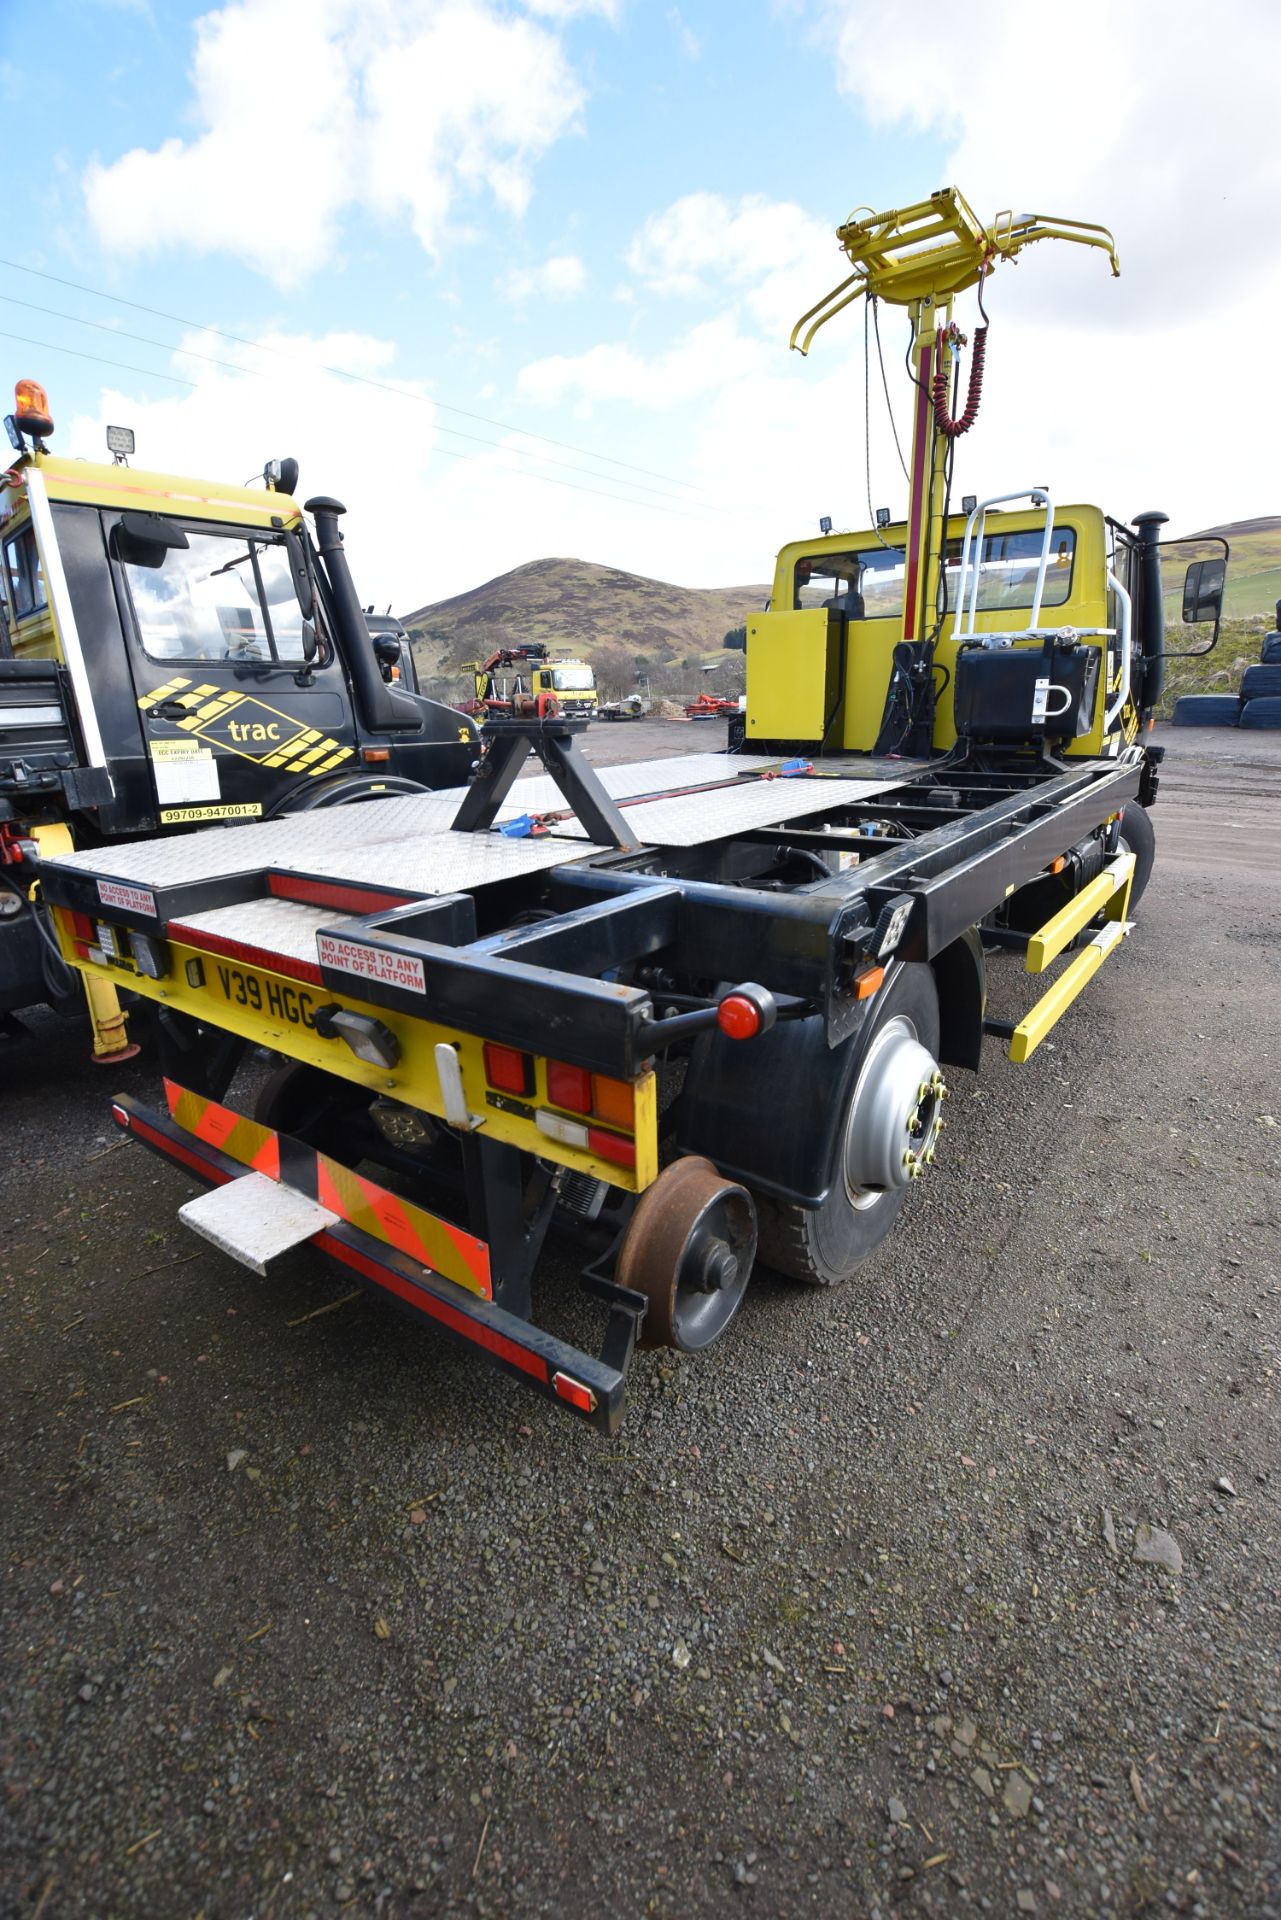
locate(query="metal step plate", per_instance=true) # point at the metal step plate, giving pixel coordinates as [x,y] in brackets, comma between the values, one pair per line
[255,1220]
[690,819]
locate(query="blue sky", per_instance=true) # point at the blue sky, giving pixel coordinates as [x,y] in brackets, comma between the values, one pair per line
[594,221]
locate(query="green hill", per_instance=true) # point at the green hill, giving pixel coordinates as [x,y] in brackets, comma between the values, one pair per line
[573,606]
[1249,608]
[1254,566]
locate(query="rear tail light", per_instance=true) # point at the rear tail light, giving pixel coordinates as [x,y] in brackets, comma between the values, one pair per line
[612,1146]
[569,1087]
[570,1133]
[508,1069]
[613,1100]
[738,1017]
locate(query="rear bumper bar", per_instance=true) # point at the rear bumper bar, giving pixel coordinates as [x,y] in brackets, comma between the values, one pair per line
[591,1387]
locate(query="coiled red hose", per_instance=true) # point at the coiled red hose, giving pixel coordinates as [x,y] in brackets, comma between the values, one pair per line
[946,424]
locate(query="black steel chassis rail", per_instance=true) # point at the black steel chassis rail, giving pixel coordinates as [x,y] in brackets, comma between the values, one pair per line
[516,1345]
[547,986]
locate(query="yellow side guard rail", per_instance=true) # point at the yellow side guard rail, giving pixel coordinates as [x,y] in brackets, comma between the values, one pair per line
[1109,893]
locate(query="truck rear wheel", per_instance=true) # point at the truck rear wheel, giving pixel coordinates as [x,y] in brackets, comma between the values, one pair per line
[891,1123]
[315,1107]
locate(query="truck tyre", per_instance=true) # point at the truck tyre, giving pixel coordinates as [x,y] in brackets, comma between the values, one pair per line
[1207,710]
[822,1246]
[343,791]
[1270,653]
[314,1106]
[1138,836]
[1261,683]
[1262,713]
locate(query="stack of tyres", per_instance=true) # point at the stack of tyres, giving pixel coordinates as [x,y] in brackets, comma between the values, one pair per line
[1207,710]
[1261,694]
[1271,650]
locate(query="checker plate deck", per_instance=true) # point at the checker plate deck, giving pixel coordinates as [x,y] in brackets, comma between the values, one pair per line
[283,927]
[405,843]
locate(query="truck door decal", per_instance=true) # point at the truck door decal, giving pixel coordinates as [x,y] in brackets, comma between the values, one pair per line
[242,724]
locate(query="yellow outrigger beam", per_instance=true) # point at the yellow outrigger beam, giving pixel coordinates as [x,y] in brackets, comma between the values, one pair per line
[933,250]
[1108,892]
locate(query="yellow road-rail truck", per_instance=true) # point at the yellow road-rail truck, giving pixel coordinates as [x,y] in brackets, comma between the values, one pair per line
[176,652]
[696,1013]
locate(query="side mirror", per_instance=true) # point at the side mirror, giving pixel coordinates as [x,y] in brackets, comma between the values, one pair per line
[1203,591]
[304,585]
[310,642]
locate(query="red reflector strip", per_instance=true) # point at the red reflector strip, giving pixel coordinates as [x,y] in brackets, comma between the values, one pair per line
[569,1087]
[508,1069]
[611,1146]
[251,956]
[82,927]
[330,893]
[574,1392]
[461,1323]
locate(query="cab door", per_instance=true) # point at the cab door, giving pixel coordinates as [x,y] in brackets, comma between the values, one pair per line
[236,717]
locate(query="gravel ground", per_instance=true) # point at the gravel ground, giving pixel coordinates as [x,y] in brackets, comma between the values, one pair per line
[952,1591]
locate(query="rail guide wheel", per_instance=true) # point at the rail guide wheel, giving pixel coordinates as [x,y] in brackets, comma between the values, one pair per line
[689,1249]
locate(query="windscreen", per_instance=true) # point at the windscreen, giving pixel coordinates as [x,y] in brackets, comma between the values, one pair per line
[573,679]
[1008,568]
[221,597]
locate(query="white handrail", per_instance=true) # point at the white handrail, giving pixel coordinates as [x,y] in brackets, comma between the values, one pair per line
[1039,497]
[1111,713]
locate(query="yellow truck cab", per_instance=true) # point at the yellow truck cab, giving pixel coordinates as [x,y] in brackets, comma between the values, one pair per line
[572,682]
[821,660]
[176,652]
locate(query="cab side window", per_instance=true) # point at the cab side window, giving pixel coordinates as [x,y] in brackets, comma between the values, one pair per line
[24,574]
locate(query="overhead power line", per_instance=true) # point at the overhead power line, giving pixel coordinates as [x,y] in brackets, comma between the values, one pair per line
[446,453]
[257,373]
[345,373]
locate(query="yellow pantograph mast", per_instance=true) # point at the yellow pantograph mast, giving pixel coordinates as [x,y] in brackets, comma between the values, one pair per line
[921,257]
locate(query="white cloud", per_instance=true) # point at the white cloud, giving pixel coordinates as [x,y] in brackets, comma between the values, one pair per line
[559,278]
[1153,120]
[705,245]
[708,357]
[398,107]
[688,40]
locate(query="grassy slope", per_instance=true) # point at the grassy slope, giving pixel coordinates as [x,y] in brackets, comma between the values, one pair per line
[1254,586]
[574,606]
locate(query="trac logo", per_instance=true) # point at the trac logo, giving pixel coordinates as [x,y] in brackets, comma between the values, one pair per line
[240,723]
